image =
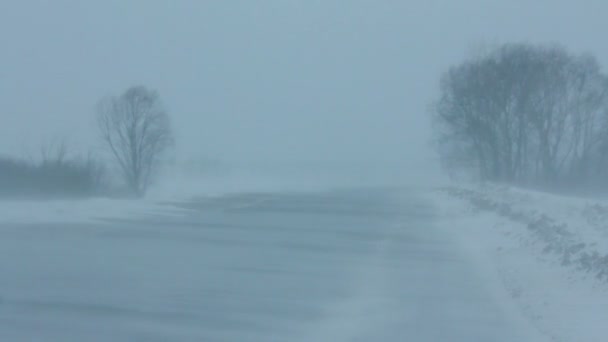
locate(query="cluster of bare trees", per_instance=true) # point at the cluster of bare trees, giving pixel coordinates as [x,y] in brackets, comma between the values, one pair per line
[525,114]
[135,129]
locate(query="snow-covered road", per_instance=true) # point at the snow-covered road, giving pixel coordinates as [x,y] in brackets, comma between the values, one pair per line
[356,265]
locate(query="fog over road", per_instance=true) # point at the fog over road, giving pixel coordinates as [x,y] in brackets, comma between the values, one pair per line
[348,265]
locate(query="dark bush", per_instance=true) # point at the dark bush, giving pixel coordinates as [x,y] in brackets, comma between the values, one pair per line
[59,177]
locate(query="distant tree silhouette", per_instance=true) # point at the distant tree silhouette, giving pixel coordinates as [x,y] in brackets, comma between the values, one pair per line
[526,114]
[136,129]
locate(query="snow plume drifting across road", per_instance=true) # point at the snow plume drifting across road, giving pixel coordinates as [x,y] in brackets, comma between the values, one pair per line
[548,251]
[77,211]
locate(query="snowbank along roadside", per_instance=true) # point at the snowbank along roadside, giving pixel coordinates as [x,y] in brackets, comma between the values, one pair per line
[549,252]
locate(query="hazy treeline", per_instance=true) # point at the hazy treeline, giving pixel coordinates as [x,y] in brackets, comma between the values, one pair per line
[135,131]
[55,175]
[525,114]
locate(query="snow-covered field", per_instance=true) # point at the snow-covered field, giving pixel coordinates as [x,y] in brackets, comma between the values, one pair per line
[549,252]
[77,211]
[157,201]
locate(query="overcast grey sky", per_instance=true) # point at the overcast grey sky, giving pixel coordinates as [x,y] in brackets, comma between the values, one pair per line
[262,80]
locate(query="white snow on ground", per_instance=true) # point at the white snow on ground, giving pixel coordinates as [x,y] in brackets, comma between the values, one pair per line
[156,201]
[547,254]
[177,188]
[77,210]
[173,189]
[548,251]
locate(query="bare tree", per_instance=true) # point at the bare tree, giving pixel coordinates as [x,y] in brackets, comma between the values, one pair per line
[136,129]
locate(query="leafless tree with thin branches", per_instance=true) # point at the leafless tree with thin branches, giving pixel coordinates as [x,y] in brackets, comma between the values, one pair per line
[526,114]
[136,129]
